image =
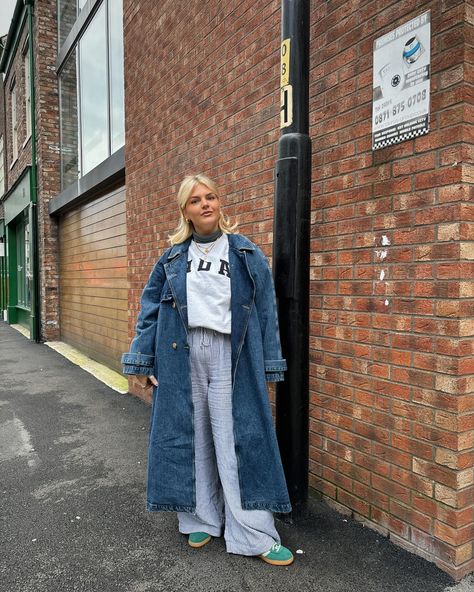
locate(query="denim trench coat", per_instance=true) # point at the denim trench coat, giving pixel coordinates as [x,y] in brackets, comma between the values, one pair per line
[160,347]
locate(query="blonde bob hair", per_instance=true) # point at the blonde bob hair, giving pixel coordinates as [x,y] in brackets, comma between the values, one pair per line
[185,227]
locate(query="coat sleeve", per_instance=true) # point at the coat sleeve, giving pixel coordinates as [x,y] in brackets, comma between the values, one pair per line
[141,357]
[265,302]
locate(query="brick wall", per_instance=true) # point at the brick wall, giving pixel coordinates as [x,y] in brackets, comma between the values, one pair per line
[194,106]
[391,410]
[16,73]
[48,159]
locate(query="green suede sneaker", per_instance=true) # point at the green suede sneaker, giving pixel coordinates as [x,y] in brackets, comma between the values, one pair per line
[278,555]
[198,539]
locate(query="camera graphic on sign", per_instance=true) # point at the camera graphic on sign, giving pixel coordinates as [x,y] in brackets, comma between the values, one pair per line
[412,51]
[392,75]
[392,79]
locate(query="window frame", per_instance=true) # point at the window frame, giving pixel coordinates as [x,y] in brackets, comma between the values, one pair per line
[24,277]
[27,79]
[72,44]
[14,119]
[2,165]
[61,120]
[82,170]
[109,81]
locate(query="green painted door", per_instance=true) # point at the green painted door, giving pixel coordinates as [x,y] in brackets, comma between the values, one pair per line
[23,264]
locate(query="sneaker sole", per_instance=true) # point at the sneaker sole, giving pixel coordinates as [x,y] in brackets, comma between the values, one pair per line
[201,544]
[276,561]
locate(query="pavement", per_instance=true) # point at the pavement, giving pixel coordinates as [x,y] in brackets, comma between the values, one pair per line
[72,504]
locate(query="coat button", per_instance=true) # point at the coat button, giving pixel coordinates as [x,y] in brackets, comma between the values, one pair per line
[174,345]
[174,304]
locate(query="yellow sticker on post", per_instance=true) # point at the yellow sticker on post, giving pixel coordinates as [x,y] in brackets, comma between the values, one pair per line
[285,63]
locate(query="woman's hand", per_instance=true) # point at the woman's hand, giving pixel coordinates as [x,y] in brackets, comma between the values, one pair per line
[144,381]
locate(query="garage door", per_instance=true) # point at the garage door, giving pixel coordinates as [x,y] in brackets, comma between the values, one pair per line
[93,278]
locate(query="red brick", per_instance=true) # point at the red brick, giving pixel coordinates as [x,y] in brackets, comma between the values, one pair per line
[414,164]
[454,536]
[413,446]
[391,455]
[390,522]
[353,502]
[411,516]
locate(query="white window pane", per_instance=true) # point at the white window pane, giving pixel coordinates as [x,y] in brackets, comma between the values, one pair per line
[117,123]
[27,95]
[69,122]
[93,92]
[14,124]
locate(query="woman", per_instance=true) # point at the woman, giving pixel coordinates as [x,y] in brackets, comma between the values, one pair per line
[207,340]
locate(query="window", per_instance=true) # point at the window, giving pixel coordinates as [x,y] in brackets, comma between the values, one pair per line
[117,119]
[69,121]
[68,11]
[91,89]
[2,168]
[94,93]
[26,62]
[14,122]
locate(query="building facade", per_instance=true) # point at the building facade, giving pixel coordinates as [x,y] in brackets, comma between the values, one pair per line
[125,101]
[31,151]
[90,207]
[65,198]
[3,180]
[18,198]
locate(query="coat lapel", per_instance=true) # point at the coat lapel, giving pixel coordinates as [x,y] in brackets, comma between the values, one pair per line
[242,299]
[175,271]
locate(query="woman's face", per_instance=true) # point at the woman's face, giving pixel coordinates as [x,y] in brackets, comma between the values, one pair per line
[203,209]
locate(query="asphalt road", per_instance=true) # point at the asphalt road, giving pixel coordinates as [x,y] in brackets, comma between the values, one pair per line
[72,511]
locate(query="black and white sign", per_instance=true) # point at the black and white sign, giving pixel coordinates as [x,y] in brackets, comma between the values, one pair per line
[401,83]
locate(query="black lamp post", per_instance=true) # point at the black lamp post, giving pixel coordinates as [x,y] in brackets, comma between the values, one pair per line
[291,249]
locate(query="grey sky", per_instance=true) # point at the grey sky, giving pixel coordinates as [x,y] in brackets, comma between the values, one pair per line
[6,12]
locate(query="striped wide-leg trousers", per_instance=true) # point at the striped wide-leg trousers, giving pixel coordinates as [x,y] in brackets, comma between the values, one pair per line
[218,505]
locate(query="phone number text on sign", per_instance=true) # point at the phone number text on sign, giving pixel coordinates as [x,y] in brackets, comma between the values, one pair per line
[399,107]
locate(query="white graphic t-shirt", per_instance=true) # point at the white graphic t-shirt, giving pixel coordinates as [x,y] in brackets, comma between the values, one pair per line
[208,285]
